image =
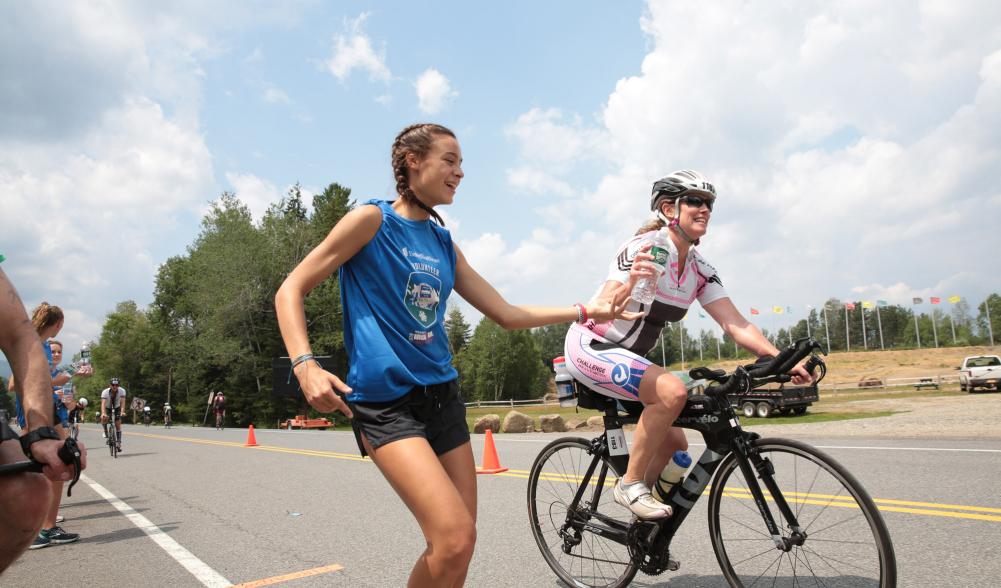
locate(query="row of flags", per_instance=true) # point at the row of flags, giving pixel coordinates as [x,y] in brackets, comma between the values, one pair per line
[865,304]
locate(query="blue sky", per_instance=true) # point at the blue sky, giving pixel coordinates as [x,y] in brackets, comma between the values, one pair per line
[855,146]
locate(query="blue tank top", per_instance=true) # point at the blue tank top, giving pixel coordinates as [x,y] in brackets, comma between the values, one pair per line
[393,293]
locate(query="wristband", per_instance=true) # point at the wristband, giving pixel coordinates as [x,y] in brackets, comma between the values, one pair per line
[37,435]
[301,359]
[581,312]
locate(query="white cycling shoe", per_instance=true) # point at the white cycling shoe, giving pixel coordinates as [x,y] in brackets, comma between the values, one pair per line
[637,498]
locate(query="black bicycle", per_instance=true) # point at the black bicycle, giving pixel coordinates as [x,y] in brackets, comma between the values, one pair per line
[69,453]
[781,513]
[112,433]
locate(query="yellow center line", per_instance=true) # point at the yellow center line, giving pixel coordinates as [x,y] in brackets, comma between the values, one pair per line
[292,576]
[980,513]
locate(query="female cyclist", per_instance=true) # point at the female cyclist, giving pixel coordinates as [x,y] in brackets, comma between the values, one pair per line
[608,356]
[397,269]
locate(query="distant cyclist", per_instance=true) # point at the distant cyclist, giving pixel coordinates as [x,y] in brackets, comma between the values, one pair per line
[219,408]
[113,400]
[76,415]
[147,416]
[167,416]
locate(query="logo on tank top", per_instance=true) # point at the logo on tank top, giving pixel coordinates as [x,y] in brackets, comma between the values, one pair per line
[422,297]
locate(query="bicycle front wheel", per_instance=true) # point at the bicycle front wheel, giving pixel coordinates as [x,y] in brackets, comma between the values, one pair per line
[846,541]
[583,541]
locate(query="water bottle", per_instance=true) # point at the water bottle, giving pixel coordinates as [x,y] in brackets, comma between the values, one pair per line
[646,288]
[672,474]
[564,384]
[68,392]
[85,353]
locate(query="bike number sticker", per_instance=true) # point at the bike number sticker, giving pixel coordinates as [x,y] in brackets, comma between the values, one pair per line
[617,442]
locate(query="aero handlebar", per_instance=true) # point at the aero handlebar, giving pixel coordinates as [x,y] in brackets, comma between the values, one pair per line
[764,371]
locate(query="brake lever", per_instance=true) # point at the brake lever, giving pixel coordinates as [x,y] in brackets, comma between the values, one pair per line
[69,453]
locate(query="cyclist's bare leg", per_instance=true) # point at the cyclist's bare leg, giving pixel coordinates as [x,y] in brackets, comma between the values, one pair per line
[24,500]
[676,440]
[663,396]
[441,510]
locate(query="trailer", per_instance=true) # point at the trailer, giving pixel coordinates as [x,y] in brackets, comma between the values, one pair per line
[301,422]
[783,400]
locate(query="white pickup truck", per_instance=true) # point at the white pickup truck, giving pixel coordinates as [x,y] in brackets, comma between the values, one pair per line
[980,371]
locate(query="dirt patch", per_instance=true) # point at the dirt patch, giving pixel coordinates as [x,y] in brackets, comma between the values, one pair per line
[953,417]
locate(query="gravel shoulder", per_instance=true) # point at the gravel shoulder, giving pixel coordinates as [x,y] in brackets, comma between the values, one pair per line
[947,417]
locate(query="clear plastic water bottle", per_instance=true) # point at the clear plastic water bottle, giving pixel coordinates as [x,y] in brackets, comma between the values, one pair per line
[85,353]
[672,474]
[68,392]
[646,288]
[564,384]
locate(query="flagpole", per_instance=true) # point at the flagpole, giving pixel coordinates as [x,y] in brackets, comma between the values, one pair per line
[808,324]
[848,341]
[917,330]
[663,358]
[827,330]
[879,322]
[682,331]
[700,344]
[934,329]
[990,331]
[865,344]
[952,324]
[719,355]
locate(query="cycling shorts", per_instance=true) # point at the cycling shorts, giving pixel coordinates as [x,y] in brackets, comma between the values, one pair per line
[435,413]
[602,365]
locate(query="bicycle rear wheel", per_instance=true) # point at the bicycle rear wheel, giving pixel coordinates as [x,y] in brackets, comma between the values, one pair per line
[567,533]
[847,543]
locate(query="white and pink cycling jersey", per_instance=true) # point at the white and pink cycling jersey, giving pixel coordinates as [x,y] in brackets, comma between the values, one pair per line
[608,356]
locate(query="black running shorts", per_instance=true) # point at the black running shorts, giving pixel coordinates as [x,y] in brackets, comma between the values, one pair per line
[436,413]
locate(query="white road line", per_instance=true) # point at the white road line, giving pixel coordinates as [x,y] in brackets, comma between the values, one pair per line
[202,572]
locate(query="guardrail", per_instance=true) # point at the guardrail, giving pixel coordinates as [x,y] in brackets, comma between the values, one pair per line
[511,403]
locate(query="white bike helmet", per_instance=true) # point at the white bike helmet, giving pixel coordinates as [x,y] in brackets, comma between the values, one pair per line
[82,402]
[145,409]
[681,183]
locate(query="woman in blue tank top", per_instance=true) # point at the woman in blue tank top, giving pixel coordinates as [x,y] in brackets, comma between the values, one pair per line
[397,269]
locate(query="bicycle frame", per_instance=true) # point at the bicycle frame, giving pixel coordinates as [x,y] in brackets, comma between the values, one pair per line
[716,420]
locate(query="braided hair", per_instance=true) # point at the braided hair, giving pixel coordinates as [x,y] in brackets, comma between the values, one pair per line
[45,315]
[414,139]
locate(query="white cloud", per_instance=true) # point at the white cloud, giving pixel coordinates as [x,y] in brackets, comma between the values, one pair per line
[536,181]
[255,192]
[353,50]
[433,91]
[274,95]
[852,146]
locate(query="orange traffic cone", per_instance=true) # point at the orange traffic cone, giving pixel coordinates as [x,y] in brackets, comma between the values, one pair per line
[251,439]
[491,465]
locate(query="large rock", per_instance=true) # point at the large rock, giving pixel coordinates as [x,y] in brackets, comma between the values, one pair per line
[597,422]
[516,422]
[575,424]
[487,421]
[552,423]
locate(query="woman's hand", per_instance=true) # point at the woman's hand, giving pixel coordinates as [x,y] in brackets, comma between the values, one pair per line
[800,376]
[320,388]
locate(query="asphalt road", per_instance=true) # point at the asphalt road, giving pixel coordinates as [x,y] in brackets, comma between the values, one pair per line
[194,507]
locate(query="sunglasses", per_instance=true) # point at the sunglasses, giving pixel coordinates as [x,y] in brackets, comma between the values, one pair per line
[696,202]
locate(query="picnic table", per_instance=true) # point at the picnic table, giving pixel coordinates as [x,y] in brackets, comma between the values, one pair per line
[926,383]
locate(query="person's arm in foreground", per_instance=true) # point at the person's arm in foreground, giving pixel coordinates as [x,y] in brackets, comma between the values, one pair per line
[20,344]
[485,298]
